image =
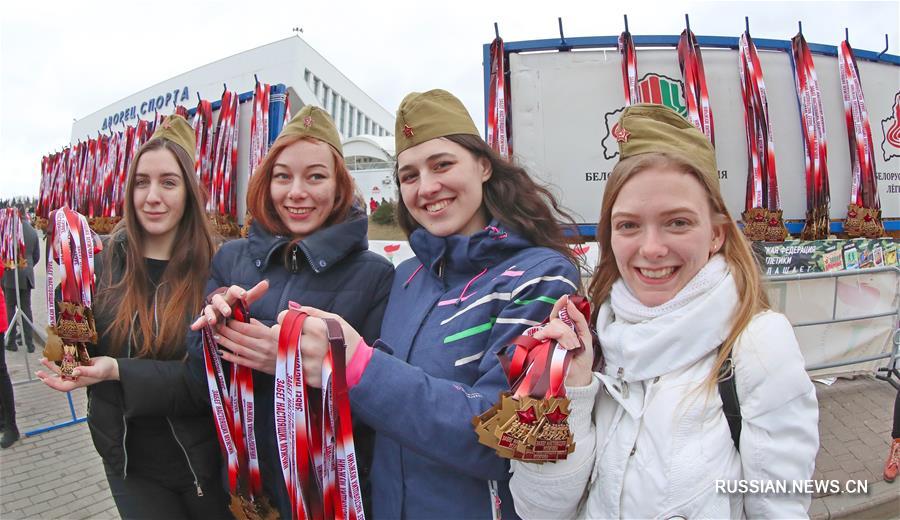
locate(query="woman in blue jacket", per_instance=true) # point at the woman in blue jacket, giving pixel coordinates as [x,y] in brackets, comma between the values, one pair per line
[490,262]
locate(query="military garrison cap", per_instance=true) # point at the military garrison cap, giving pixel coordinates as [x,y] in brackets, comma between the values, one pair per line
[176,129]
[424,116]
[645,128]
[312,121]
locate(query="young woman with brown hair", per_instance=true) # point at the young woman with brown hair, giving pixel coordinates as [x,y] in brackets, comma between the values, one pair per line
[679,308]
[490,261]
[149,285]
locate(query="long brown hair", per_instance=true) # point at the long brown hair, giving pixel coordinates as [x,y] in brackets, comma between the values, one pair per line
[736,249]
[161,330]
[259,197]
[513,197]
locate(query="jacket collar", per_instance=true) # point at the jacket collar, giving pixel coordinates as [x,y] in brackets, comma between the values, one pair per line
[321,250]
[465,254]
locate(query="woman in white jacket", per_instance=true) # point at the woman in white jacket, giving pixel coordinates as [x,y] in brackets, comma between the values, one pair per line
[679,307]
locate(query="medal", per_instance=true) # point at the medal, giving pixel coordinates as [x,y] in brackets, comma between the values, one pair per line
[73,245]
[530,422]
[233,412]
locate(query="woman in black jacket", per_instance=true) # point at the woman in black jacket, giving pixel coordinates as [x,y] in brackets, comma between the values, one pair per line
[150,281]
[308,244]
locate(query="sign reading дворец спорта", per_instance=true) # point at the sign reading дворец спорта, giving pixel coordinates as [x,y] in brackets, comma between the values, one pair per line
[148,106]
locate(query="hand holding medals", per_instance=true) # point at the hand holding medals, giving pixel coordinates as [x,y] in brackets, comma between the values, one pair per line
[72,244]
[530,421]
[314,429]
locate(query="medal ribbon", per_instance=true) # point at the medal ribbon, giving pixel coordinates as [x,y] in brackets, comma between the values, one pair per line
[498,104]
[259,126]
[762,182]
[812,123]
[863,186]
[695,92]
[629,69]
[315,446]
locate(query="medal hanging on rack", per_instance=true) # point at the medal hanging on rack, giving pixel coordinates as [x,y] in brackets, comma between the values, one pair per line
[12,241]
[498,105]
[864,210]
[696,95]
[72,244]
[314,429]
[763,218]
[233,412]
[530,422]
[629,68]
[815,142]
[259,138]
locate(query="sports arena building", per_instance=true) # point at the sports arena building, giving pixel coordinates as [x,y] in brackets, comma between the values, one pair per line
[366,127]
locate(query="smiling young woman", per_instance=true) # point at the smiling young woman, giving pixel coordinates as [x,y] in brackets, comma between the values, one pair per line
[679,307]
[149,284]
[491,258]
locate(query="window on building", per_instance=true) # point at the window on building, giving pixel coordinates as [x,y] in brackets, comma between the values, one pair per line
[352,122]
[306,76]
[334,105]
[316,85]
[343,122]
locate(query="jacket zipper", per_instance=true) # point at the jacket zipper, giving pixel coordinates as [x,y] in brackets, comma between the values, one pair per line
[294,266]
[124,449]
[188,459]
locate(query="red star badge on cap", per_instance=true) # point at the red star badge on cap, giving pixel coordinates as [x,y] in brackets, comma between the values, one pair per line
[408,131]
[620,133]
[307,121]
[556,416]
[166,123]
[527,416]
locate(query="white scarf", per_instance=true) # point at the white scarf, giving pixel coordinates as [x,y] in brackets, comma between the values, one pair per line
[640,343]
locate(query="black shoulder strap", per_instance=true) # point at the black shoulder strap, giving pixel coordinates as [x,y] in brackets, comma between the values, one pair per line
[730,404]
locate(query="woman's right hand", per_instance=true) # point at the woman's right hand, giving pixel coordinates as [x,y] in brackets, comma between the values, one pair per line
[220,304]
[102,368]
[580,372]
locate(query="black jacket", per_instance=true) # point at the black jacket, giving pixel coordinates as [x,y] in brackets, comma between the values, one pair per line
[107,418]
[32,257]
[334,271]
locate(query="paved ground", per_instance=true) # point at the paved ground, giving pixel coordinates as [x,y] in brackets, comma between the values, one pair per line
[58,474]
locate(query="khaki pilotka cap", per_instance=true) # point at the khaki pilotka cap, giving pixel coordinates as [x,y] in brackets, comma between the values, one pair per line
[312,121]
[645,128]
[424,116]
[176,129]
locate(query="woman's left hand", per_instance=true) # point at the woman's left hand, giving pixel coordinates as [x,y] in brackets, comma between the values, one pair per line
[252,345]
[351,337]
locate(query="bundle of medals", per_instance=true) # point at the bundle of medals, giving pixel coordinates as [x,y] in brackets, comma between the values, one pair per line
[530,422]
[73,245]
[498,128]
[815,142]
[696,95]
[233,411]
[864,210]
[314,429]
[12,242]
[762,209]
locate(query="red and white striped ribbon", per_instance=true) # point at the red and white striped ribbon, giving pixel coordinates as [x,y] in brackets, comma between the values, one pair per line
[863,186]
[696,94]
[762,180]
[318,460]
[259,126]
[812,123]
[498,104]
[629,69]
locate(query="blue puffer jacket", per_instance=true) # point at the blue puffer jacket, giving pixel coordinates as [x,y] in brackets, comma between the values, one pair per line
[452,307]
[334,271]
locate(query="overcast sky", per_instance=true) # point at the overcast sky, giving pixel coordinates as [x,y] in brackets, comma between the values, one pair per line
[60,61]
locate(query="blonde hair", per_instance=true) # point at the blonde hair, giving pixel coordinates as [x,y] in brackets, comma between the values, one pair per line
[752,298]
